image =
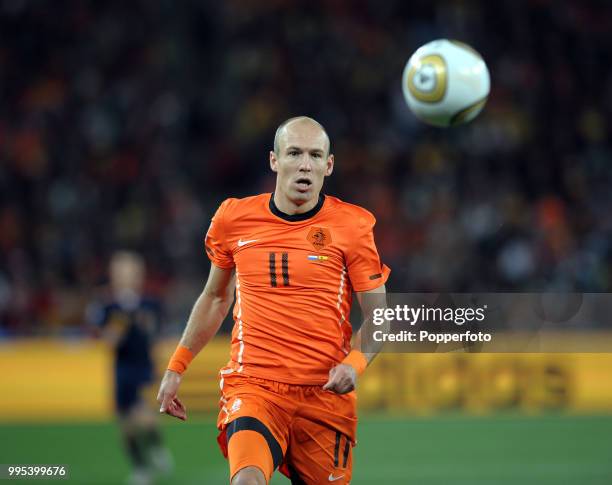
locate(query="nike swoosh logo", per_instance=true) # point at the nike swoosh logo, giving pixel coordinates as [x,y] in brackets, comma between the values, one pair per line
[332,478]
[242,243]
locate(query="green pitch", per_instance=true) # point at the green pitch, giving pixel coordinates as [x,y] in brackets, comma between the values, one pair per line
[508,450]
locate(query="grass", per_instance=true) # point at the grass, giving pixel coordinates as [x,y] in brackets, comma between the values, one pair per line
[457,450]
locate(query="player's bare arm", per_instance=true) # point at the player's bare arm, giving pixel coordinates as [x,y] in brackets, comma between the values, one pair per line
[210,309]
[343,377]
[206,317]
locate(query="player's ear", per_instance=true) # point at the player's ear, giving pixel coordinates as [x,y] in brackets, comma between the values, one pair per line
[330,165]
[273,161]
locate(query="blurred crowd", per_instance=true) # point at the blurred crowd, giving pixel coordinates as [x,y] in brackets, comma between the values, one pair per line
[125,124]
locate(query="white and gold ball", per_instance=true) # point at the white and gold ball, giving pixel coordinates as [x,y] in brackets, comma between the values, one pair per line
[446,82]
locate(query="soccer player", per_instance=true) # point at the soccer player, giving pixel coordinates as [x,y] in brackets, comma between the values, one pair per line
[129,322]
[293,258]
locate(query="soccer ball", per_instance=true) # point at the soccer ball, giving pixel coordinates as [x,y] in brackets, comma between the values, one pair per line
[446,83]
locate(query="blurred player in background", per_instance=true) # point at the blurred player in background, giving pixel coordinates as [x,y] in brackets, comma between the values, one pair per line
[294,258]
[129,321]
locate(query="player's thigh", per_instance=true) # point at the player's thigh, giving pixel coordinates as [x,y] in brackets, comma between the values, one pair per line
[127,396]
[129,386]
[318,454]
[253,429]
[248,450]
[143,415]
[248,441]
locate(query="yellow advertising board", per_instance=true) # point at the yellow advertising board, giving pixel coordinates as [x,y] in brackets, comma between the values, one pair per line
[57,379]
[50,379]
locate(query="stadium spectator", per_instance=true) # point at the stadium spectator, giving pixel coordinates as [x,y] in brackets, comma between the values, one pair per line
[139,116]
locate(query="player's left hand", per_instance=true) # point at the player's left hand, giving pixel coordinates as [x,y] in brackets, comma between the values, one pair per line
[342,379]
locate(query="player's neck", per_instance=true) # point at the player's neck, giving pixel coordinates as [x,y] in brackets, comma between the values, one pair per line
[289,207]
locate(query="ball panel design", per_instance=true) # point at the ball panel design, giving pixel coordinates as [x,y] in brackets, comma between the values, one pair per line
[427,79]
[468,113]
[446,82]
[467,47]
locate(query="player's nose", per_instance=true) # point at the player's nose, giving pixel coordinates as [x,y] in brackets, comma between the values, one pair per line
[305,164]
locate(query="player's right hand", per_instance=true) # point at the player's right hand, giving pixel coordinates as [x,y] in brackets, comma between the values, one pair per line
[342,379]
[170,403]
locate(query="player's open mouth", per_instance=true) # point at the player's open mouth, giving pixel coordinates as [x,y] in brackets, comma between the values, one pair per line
[303,184]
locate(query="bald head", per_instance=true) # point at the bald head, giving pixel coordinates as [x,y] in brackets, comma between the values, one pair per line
[299,122]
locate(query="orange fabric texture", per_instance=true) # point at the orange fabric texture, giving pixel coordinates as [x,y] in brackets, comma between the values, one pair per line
[249,448]
[314,428]
[319,455]
[294,284]
[180,360]
[357,361]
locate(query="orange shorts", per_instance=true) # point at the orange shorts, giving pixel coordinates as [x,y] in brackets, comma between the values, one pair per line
[305,431]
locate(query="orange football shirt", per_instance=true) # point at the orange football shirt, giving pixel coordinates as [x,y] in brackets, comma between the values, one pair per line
[295,275]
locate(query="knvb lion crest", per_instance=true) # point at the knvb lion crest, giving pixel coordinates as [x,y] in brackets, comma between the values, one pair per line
[319,237]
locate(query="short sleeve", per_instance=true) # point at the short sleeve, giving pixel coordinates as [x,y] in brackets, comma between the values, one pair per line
[215,243]
[365,269]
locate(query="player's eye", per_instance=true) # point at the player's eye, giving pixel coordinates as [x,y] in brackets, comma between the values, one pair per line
[316,155]
[293,153]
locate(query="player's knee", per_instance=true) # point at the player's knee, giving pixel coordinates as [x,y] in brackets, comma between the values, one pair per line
[127,426]
[142,417]
[250,475]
